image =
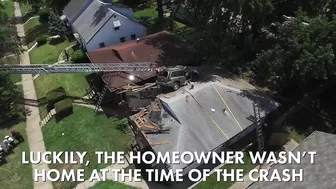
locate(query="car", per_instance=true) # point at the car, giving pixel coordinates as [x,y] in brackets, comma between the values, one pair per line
[175,77]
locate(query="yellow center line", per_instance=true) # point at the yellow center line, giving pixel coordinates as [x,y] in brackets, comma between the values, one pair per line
[217,125]
[228,107]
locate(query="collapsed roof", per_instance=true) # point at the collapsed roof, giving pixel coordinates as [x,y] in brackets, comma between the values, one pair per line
[161,48]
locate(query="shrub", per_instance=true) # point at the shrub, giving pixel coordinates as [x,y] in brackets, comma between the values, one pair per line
[42,40]
[44,15]
[55,96]
[122,125]
[79,57]
[63,108]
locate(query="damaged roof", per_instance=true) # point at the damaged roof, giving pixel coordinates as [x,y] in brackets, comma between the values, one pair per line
[162,48]
[320,174]
[197,120]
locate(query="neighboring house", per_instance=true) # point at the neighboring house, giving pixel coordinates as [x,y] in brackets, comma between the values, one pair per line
[193,120]
[320,174]
[74,9]
[97,24]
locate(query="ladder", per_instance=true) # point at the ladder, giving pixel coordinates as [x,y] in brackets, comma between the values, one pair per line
[260,136]
[76,68]
[101,98]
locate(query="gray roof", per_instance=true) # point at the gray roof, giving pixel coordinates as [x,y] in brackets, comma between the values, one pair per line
[92,19]
[316,176]
[73,7]
[192,129]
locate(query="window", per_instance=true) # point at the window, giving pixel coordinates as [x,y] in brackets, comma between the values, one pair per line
[116,25]
[122,39]
[101,45]
[133,36]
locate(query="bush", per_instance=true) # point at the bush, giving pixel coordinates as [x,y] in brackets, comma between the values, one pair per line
[44,15]
[55,96]
[123,125]
[63,108]
[42,40]
[79,57]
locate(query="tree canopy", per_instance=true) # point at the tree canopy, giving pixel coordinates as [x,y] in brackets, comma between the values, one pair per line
[9,43]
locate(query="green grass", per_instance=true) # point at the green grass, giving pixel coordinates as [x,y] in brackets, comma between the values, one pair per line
[9,7]
[212,182]
[35,29]
[49,52]
[110,185]
[74,84]
[14,175]
[146,14]
[85,132]
[24,8]
[12,60]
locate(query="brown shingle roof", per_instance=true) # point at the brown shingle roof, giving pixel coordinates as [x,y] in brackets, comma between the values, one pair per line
[161,48]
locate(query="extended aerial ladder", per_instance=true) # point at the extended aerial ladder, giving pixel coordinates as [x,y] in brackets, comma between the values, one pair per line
[111,68]
[76,68]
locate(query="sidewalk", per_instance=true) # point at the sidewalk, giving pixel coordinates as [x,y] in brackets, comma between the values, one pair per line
[34,133]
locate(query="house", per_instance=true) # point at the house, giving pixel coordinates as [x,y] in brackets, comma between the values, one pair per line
[162,48]
[74,9]
[320,174]
[100,23]
[194,120]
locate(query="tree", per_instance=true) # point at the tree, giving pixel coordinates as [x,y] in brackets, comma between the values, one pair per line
[57,5]
[35,4]
[56,25]
[304,53]
[160,8]
[9,43]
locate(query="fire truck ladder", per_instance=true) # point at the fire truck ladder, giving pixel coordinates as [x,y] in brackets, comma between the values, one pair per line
[75,68]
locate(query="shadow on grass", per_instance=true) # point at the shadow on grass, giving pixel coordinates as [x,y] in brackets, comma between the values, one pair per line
[36,32]
[28,15]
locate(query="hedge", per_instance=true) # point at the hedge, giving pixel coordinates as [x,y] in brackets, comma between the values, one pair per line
[44,15]
[64,105]
[55,96]
[42,40]
[63,108]
[79,57]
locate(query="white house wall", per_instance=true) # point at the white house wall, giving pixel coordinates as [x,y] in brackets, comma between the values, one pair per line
[109,36]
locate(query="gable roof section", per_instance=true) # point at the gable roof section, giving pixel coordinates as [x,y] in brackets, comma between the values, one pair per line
[161,48]
[73,7]
[92,19]
[198,128]
[321,174]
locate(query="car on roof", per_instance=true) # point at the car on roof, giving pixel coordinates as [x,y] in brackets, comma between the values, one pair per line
[175,77]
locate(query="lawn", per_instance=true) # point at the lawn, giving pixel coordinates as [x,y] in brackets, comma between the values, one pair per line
[12,60]
[49,52]
[25,8]
[110,185]
[14,175]
[9,7]
[146,14]
[212,182]
[33,30]
[74,84]
[82,131]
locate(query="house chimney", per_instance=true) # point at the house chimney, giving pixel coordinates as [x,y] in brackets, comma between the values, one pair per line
[138,40]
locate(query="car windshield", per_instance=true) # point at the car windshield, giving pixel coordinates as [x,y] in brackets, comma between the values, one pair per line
[163,74]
